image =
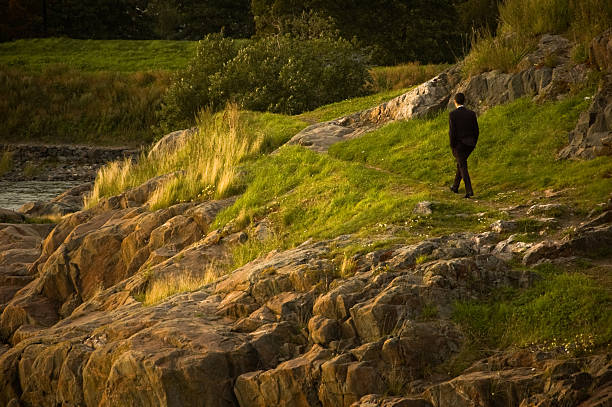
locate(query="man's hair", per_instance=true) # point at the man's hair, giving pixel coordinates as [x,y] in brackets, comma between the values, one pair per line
[460,98]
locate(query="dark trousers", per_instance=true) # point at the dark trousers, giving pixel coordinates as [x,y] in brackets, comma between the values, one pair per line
[461,153]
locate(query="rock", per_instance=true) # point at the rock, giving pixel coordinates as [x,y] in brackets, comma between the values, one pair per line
[427,98]
[592,136]
[605,217]
[587,241]
[68,202]
[20,246]
[507,249]
[290,384]
[171,141]
[90,252]
[600,51]
[424,208]
[375,400]
[504,387]
[344,381]
[503,226]
[540,251]
[9,216]
[553,210]
[323,330]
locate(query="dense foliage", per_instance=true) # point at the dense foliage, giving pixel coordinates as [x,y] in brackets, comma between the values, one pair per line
[281,74]
[392,31]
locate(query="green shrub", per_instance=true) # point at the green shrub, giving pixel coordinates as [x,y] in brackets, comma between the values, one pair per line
[190,89]
[276,73]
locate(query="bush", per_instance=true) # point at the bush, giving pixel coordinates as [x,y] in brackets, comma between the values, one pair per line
[276,73]
[190,89]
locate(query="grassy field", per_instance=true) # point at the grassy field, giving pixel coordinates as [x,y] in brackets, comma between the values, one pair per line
[97,55]
[61,90]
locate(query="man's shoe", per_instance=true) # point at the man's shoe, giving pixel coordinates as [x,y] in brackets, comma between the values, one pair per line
[469,195]
[455,190]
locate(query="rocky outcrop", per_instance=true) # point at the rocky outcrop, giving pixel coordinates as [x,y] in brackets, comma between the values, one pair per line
[428,98]
[592,136]
[89,252]
[284,330]
[544,74]
[69,201]
[9,216]
[20,245]
[600,51]
[171,141]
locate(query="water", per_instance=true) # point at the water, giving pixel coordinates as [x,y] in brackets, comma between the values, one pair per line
[13,194]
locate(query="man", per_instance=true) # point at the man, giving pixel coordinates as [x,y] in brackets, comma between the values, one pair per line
[463,133]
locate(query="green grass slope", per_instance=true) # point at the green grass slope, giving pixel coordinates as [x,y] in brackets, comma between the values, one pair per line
[102,92]
[97,55]
[369,187]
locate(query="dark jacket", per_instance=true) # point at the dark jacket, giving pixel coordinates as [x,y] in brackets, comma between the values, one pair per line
[463,127]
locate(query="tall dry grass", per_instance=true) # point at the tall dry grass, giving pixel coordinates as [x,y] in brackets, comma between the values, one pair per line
[387,78]
[205,164]
[491,52]
[163,287]
[522,21]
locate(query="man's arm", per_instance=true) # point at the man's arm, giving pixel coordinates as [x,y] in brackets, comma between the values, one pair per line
[476,130]
[452,136]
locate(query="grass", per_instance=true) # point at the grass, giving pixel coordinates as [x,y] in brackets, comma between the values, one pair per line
[309,195]
[522,21]
[490,52]
[565,310]
[206,165]
[515,152]
[62,105]
[163,287]
[370,185]
[346,107]
[389,78]
[97,55]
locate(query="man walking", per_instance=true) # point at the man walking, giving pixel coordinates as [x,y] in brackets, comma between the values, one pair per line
[463,133]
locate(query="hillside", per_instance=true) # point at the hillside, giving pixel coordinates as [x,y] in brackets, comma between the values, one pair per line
[262,259]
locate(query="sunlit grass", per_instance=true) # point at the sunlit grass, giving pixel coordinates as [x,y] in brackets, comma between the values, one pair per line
[97,55]
[206,165]
[515,153]
[523,21]
[565,310]
[166,286]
